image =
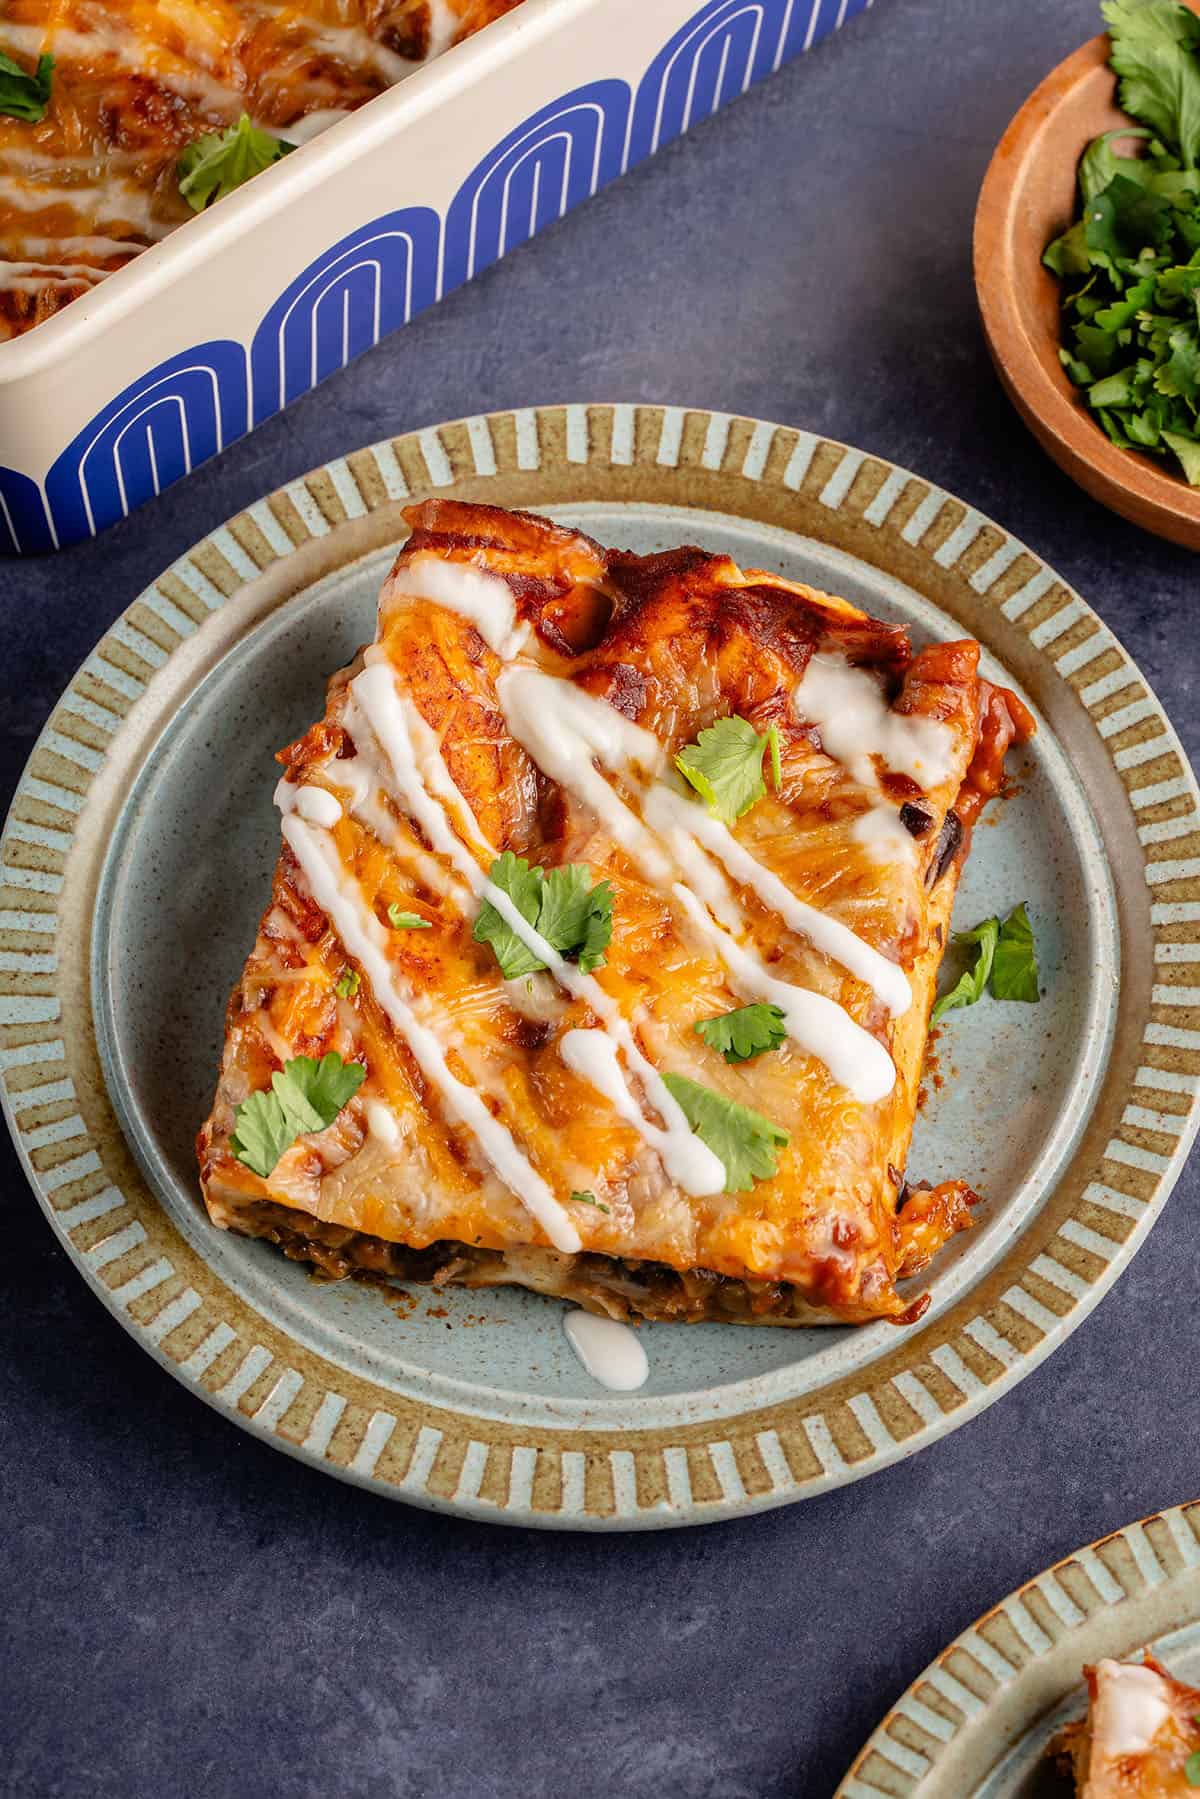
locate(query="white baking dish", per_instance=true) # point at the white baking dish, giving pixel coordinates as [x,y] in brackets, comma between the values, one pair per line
[253,302]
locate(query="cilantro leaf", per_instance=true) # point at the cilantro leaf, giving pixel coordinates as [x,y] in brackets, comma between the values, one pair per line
[1179,377]
[263,1133]
[1154,45]
[305,1095]
[523,885]
[221,161]
[1100,162]
[1182,283]
[1113,425]
[1005,963]
[745,1141]
[347,983]
[1188,452]
[1143,428]
[566,905]
[724,765]
[1122,312]
[1113,390]
[324,1086]
[589,1199]
[406,921]
[22,95]
[1014,967]
[563,906]
[972,983]
[1191,1769]
[745,1032]
[1098,348]
[1068,254]
[597,934]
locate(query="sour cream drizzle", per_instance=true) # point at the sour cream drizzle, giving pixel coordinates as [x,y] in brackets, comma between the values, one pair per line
[611,1353]
[850,709]
[819,1025]
[593,1056]
[339,898]
[391,717]
[476,594]
[365,779]
[316,804]
[444,26]
[886,980]
[30,277]
[55,249]
[309,125]
[564,729]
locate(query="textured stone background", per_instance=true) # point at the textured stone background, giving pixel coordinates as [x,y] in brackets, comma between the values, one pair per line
[183,1611]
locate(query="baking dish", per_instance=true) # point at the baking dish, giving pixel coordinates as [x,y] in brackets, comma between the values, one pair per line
[252,303]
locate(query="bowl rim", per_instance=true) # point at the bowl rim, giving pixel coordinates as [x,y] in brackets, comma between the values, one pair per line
[1114,476]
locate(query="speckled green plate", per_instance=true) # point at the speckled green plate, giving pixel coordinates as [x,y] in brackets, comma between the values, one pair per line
[136,861]
[978,1722]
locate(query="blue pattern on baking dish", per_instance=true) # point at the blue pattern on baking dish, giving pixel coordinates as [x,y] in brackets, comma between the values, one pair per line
[379,276]
[365,286]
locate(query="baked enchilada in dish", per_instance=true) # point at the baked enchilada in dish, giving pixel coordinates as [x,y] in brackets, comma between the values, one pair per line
[602,944]
[1141,1737]
[119,118]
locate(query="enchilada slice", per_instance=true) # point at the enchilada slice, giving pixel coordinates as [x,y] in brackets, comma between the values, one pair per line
[612,898]
[1141,1737]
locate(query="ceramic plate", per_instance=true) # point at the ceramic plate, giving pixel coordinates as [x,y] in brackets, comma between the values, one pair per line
[978,1722]
[137,859]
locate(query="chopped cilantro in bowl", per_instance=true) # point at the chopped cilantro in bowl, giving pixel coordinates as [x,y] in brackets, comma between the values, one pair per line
[1130,264]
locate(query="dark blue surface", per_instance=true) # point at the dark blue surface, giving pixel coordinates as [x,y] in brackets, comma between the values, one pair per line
[183,1611]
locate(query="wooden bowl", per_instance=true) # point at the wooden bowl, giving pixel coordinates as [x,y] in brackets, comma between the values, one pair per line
[1029,195]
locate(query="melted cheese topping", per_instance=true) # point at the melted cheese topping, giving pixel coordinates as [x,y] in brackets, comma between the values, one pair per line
[342,903]
[567,732]
[452,740]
